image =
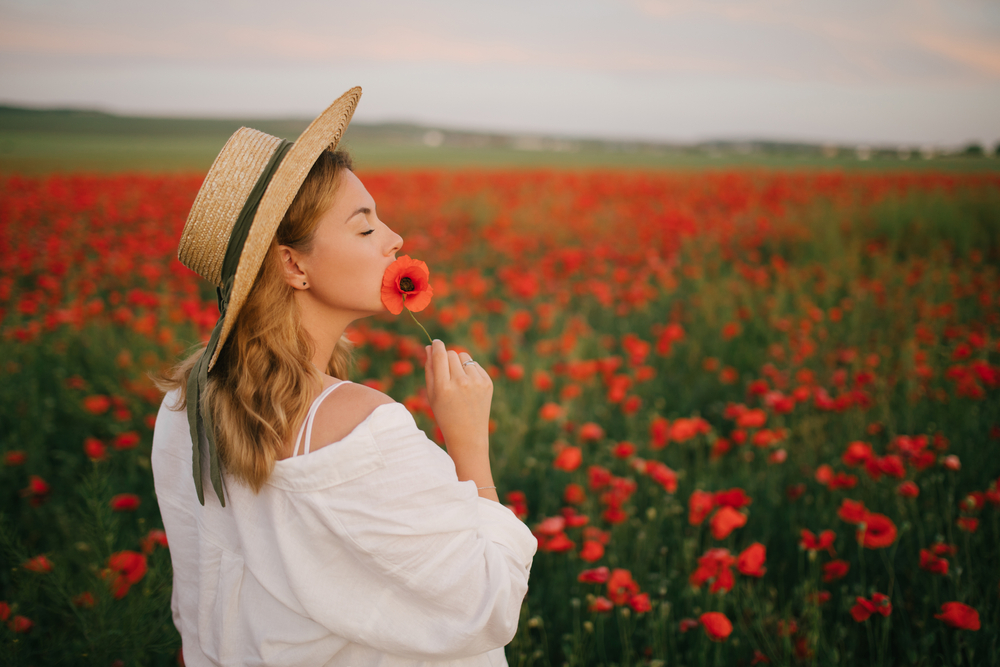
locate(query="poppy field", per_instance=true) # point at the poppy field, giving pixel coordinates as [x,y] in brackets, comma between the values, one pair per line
[752,417]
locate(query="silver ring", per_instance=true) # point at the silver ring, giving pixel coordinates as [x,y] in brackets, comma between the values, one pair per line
[470,361]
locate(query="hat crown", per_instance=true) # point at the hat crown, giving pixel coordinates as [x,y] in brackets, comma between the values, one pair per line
[220,200]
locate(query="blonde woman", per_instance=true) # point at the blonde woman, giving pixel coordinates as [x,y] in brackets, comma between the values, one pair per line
[310,521]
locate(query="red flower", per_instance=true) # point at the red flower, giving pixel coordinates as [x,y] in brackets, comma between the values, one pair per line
[835,569]
[598,575]
[574,494]
[726,520]
[717,626]
[591,551]
[824,541]
[125,502]
[640,603]
[865,608]
[621,586]
[15,457]
[568,459]
[4,610]
[908,489]
[852,511]
[877,531]
[714,564]
[154,538]
[39,564]
[959,615]
[558,544]
[700,504]
[751,560]
[97,405]
[688,624]
[601,604]
[129,568]
[735,498]
[967,523]
[858,453]
[591,431]
[406,283]
[20,624]
[623,450]
[85,599]
[126,440]
[550,411]
[662,475]
[932,563]
[94,449]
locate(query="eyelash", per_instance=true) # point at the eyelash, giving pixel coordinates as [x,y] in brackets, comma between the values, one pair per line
[370,231]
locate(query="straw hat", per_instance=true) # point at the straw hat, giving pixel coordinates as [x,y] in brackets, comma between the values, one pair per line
[247,165]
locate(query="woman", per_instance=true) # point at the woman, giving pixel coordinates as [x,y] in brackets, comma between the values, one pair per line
[337,533]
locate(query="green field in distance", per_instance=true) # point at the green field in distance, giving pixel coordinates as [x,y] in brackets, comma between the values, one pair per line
[36,141]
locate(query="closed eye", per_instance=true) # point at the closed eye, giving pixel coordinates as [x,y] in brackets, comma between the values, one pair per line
[370,231]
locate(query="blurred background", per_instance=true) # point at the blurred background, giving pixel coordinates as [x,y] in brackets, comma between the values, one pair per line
[613,82]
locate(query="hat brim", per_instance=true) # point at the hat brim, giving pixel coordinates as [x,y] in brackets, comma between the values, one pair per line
[324,133]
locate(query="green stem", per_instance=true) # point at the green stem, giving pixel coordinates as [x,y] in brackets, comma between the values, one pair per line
[418,323]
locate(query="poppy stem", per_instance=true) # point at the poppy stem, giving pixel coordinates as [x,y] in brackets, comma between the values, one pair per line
[418,323]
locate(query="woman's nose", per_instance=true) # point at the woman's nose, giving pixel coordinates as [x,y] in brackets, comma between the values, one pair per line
[397,243]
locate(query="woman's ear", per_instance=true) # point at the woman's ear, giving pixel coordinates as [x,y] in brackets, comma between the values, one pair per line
[294,274]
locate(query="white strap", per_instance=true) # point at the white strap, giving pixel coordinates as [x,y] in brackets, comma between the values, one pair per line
[307,425]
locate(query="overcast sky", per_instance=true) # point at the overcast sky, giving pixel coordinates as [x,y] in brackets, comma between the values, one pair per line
[923,72]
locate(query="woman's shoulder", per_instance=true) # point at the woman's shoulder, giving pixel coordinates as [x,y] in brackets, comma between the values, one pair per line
[343,411]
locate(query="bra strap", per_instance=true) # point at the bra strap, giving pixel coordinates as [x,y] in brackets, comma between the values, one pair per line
[307,425]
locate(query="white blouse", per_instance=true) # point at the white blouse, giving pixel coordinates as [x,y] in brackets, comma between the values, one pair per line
[368,551]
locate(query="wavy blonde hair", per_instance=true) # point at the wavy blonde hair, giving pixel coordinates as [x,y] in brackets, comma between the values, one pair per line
[260,386]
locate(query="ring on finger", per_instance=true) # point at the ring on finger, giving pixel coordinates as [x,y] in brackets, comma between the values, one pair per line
[470,361]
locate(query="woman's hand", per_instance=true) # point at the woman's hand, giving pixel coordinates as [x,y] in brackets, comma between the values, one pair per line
[460,394]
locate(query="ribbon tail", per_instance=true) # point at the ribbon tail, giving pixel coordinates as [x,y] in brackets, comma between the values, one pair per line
[214,470]
[194,419]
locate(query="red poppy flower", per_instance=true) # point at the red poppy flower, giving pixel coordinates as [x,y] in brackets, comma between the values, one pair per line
[558,544]
[688,624]
[128,568]
[14,457]
[20,624]
[623,450]
[835,569]
[908,489]
[574,494]
[568,459]
[4,610]
[126,440]
[598,575]
[735,498]
[550,411]
[601,604]
[813,543]
[640,603]
[858,453]
[94,449]
[85,599]
[125,502]
[852,511]
[156,537]
[663,475]
[726,520]
[406,283]
[97,405]
[700,504]
[717,626]
[877,531]
[959,615]
[621,586]
[39,564]
[751,560]
[591,551]
[591,431]
[932,563]
[967,523]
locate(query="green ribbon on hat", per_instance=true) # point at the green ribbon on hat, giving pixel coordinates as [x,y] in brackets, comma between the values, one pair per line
[199,417]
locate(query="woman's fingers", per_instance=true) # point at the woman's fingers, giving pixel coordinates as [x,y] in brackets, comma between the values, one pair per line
[455,367]
[439,359]
[429,368]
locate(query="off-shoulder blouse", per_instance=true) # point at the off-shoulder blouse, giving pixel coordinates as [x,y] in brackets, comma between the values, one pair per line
[368,551]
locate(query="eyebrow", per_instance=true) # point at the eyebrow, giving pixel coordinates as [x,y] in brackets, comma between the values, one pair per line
[363,209]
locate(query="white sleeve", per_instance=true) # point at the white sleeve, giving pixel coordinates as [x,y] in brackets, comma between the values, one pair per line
[437,572]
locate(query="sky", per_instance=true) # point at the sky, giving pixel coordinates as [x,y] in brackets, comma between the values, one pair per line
[879,72]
